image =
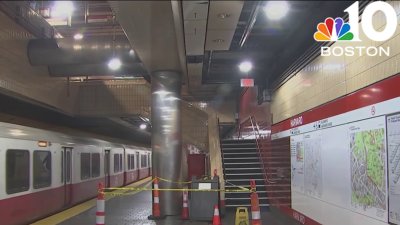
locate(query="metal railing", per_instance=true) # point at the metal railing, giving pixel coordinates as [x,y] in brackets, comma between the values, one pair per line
[256,132]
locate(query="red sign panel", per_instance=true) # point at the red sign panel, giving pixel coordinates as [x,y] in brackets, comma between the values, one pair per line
[247,82]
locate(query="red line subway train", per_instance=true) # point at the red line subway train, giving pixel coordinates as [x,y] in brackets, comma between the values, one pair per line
[43,172]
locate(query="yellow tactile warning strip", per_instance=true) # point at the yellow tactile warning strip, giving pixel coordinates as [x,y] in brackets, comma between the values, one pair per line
[76,210]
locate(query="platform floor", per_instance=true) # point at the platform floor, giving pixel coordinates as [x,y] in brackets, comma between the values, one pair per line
[134,208]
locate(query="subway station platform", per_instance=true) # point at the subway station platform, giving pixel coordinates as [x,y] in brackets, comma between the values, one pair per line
[134,207]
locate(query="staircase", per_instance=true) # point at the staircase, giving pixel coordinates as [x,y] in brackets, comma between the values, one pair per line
[241,164]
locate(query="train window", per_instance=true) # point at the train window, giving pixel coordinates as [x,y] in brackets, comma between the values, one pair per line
[41,169]
[17,171]
[116,163]
[95,165]
[85,166]
[68,167]
[133,161]
[62,167]
[143,161]
[129,161]
[120,162]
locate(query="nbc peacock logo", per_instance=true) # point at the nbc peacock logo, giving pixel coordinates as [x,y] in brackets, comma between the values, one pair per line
[333,30]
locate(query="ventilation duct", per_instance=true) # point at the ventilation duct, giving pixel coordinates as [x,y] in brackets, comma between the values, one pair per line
[87,57]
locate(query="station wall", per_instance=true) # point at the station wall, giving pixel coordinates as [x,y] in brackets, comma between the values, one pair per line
[19,79]
[331,109]
[328,78]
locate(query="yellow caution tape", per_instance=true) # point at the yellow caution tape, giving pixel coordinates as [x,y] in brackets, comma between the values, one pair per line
[175,182]
[177,189]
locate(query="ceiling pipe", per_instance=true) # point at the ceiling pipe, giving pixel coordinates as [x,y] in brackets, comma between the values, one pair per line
[251,22]
[91,50]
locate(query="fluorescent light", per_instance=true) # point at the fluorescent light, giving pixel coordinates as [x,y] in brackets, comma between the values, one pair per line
[143,126]
[78,36]
[245,67]
[114,64]
[62,9]
[276,10]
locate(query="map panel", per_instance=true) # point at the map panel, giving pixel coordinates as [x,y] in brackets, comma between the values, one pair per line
[297,158]
[313,167]
[368,173]
[393,140]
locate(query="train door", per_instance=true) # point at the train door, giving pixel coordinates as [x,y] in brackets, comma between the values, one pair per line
[66,174]
[107,159]
[138,165]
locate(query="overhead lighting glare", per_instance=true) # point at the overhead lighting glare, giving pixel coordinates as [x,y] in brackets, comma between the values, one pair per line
[114,64]
[143,126]
[245,67]
[276,10]
[78,36]
[62,9]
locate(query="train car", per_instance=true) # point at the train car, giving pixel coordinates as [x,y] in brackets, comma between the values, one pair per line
[39,166]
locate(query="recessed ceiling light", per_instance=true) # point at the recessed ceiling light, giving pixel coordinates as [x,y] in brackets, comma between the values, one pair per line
[245,66]
[78,36]
[143,126]
[62,9]
[223,15]
[131,52]
[114,64]
[219,40]
[276,10]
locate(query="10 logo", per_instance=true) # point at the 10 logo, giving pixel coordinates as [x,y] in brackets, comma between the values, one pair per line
[334,30]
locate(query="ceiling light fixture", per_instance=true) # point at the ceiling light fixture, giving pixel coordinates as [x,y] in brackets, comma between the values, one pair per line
[245,66]
[219,40]
[62,9]
[114,64]
[78,36]
[143,126]
[131,52]
[276,10]
[223,15]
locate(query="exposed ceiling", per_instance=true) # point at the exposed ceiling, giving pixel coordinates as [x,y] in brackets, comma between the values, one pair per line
[203,40]
[272,46]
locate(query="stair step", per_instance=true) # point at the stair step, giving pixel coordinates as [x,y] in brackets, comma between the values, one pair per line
[243,163]
[240,153]
[244,180]
[247,205]
[239,148]
[253,168]
[243,158]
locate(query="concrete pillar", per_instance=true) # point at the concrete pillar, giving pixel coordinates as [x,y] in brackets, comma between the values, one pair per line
[166,137]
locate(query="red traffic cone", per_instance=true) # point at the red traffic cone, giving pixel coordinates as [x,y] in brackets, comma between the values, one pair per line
[216,219]
[255,207]
[185,211]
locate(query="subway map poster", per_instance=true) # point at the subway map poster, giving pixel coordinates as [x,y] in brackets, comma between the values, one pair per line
[344,166]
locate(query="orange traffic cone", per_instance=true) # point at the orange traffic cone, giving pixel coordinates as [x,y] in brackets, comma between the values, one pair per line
[100,214]
[216,219]
[185,211]
[156,201]
[255,207]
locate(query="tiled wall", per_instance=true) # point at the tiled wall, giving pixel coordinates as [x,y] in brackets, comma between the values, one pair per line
[19,78]
[328,78]
[108,98]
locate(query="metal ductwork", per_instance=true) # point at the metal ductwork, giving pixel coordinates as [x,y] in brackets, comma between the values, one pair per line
[86,57]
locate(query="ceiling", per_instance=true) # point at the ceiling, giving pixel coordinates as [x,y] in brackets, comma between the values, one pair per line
[272,46]
[204,40]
